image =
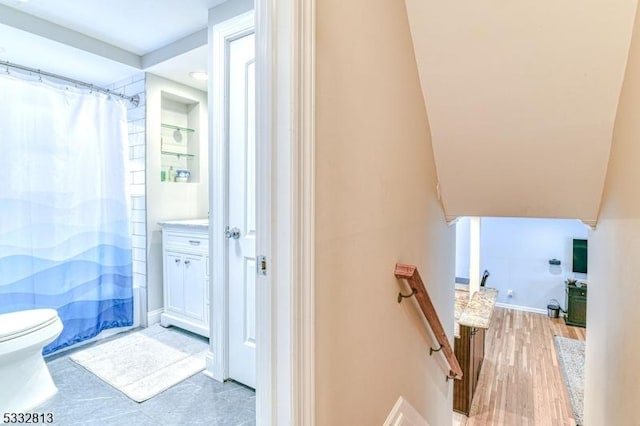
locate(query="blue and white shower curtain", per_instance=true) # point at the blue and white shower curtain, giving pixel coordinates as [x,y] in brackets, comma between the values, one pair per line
[64,216]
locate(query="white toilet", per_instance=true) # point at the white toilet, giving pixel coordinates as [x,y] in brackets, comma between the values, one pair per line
[25,381]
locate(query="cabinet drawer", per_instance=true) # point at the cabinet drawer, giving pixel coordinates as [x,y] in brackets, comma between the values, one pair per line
[194,242]
[578,292]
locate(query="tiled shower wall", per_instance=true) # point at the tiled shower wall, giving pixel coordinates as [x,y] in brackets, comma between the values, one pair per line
[136,119]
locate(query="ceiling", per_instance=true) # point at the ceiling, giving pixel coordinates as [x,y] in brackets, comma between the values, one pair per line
[103,42]
[521,96]
[521,99]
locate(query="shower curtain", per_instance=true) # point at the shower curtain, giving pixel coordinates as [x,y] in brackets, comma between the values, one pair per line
[64,216]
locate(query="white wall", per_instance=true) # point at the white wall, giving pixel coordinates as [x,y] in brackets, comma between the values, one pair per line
[463,237]
[170,200]
[516,252]
[137,188]
[612,370]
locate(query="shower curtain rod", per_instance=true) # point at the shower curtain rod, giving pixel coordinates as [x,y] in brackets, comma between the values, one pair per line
[135,100]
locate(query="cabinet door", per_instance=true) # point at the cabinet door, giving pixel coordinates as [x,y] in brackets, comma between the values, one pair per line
[478,354]
[578,309]
[472,373]
[462,392]
[194,280]
[174,282]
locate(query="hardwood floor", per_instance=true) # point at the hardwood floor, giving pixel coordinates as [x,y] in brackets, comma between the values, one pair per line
[520,380]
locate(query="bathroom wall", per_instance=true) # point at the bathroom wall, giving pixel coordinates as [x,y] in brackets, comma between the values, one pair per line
[136,122]
[171,200]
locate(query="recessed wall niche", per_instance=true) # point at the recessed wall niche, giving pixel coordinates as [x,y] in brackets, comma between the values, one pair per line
[179,139]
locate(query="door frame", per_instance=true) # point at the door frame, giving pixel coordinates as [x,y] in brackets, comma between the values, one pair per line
[285,170]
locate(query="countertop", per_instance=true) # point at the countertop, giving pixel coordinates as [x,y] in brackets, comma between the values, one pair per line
[193,224]
[582,285]
[476,312]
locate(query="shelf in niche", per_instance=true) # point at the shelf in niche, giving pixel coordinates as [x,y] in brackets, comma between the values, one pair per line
[172,127]
[177,154]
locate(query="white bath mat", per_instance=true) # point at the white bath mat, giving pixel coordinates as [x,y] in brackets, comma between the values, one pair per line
[144,363]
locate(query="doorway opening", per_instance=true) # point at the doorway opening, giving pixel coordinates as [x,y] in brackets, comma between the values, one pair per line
[233,202]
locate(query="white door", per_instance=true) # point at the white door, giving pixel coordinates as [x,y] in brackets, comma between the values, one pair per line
[242,215]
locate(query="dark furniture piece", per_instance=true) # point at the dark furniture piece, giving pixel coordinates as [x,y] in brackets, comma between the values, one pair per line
[485,275]
[576,305]
[469,349]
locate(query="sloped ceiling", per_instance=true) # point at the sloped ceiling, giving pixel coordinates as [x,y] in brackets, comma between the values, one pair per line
[521,98]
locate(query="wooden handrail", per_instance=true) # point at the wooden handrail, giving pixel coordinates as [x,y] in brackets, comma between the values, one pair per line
[410,273]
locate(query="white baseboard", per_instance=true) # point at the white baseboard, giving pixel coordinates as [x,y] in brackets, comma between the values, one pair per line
[403,414]
[153,317]
[522,308]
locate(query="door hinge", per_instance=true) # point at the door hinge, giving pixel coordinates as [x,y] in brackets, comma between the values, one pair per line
[261,265]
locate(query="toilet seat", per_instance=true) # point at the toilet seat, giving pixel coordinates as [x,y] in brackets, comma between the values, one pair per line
[16,324]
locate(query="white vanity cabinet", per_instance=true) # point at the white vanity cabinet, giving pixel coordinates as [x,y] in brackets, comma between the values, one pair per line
[185,258]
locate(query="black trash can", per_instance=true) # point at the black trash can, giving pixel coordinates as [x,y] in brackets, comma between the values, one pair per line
[553,310]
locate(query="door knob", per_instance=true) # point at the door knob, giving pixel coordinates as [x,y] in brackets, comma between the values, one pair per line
[232,233]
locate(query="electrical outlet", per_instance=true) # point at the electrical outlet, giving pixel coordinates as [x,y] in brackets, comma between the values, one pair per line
[510,293]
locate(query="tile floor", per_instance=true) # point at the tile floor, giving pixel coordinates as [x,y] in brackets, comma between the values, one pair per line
[84,399]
